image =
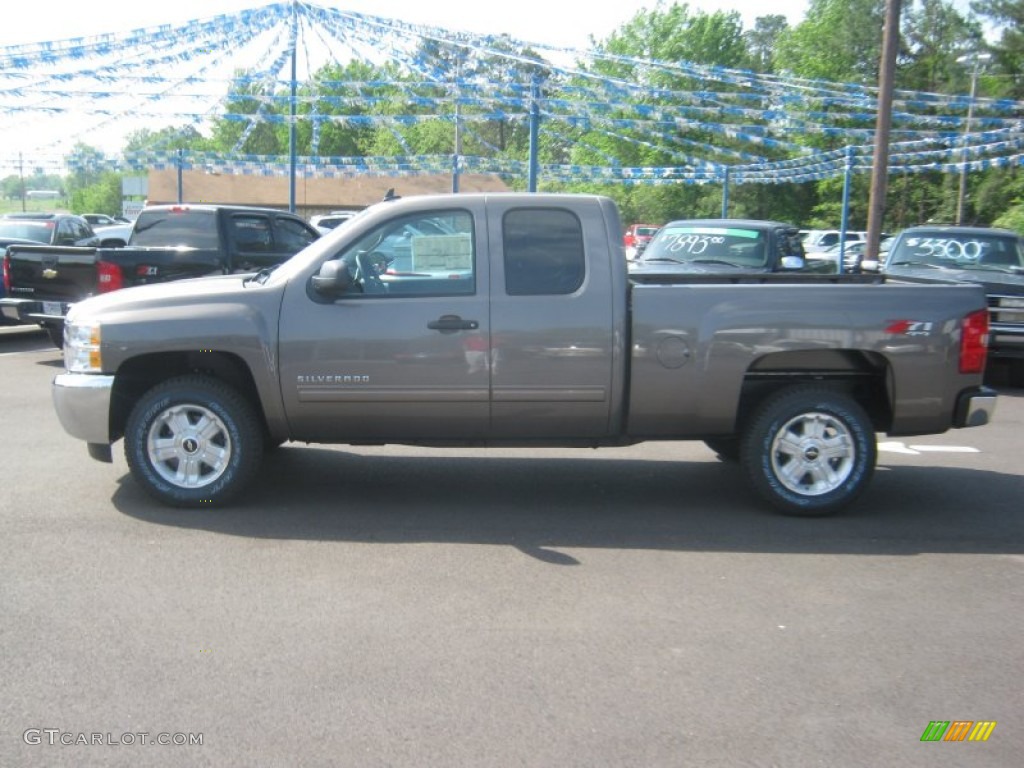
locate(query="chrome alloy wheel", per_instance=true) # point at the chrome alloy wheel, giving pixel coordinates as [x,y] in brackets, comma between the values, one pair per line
[813,453]
[189,446]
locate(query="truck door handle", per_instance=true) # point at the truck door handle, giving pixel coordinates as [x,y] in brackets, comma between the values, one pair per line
[452,323]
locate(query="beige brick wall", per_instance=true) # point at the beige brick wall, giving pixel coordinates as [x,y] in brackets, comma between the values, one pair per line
[311,195]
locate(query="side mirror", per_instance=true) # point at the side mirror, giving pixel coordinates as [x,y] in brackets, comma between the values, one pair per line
[332,279]
[792,262]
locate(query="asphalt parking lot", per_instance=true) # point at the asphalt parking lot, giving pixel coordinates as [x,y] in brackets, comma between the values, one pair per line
[406,607]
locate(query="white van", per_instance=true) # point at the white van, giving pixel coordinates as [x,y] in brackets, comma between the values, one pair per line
[820,240]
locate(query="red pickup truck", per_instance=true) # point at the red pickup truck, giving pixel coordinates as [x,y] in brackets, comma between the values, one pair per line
[636,238]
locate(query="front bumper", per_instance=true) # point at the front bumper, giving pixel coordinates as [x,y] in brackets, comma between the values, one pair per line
[975,407]
[1006,341]
[82,401]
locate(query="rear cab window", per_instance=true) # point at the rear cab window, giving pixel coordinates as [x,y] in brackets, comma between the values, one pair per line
[544,253]
[167,228]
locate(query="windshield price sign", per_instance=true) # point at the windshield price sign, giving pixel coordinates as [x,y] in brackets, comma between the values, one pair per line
[697,240]
[948,249]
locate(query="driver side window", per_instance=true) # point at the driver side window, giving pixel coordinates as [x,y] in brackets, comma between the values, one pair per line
[425,254]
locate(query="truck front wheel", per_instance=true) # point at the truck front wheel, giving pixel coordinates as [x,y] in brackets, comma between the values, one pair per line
[193,441]
[809,450]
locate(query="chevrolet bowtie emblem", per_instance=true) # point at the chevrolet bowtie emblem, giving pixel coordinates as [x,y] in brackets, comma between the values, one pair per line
[49,274]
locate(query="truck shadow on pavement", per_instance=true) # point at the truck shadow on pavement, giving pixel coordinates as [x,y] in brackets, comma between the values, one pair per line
[544,506]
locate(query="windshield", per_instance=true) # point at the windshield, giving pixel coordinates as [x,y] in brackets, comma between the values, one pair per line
[40,231]
[689,244]
[969,250]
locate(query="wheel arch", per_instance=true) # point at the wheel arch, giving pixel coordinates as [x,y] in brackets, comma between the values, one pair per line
[865,376]
[139,374]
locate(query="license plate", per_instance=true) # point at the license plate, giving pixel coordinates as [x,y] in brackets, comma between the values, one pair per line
[52,308]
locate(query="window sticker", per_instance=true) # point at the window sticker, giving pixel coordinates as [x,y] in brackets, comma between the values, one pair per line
[946,249]
[695,241]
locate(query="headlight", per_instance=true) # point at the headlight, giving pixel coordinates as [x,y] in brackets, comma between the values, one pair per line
[82,347]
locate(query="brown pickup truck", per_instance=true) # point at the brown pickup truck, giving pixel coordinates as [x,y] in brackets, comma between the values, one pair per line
[512,320]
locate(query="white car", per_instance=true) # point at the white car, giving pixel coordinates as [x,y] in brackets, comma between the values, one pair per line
[324,223]
[820,240]
[115,235]
[102,220]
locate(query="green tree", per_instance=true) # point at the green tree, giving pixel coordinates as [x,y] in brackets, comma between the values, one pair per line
[343,99]
[762,39]
[660,135]
[677,34]
[11,187]
[1008,18]
[169,138]
[247,125]
[104,196]
[839,40]
[87,165]
[934,33]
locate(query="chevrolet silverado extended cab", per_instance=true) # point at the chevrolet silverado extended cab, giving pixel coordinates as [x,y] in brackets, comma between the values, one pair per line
[512,320]
[167,242]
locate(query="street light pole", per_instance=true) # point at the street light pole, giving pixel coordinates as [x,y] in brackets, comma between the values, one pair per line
[978,59]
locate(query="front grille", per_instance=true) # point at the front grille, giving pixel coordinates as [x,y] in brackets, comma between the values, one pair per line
[1002,315]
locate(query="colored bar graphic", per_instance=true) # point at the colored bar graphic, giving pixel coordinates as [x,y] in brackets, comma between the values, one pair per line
[958,730]
[982,730]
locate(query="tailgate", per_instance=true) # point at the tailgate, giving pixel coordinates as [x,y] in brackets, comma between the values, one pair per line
[52,273]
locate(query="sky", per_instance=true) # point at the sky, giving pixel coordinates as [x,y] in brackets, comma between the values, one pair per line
[559,23]
[555,24]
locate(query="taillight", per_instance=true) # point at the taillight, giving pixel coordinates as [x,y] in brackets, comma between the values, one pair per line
[974,342]
[110,277]
[7,273]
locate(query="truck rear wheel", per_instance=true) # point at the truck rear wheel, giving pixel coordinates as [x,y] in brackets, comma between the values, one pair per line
[809,450]
[193,441]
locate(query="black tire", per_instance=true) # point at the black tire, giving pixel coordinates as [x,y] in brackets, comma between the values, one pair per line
[56,334]
[727,448]
[809,450]
[201,420]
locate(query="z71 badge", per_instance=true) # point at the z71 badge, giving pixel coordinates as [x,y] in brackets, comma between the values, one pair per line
[910,328]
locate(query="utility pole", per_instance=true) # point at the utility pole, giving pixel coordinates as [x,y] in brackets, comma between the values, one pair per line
[978,59]
[880,164]
[21,176]
[458,125]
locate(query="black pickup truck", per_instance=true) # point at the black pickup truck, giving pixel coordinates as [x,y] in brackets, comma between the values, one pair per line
[993,258]
[717,246]
[168,242]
